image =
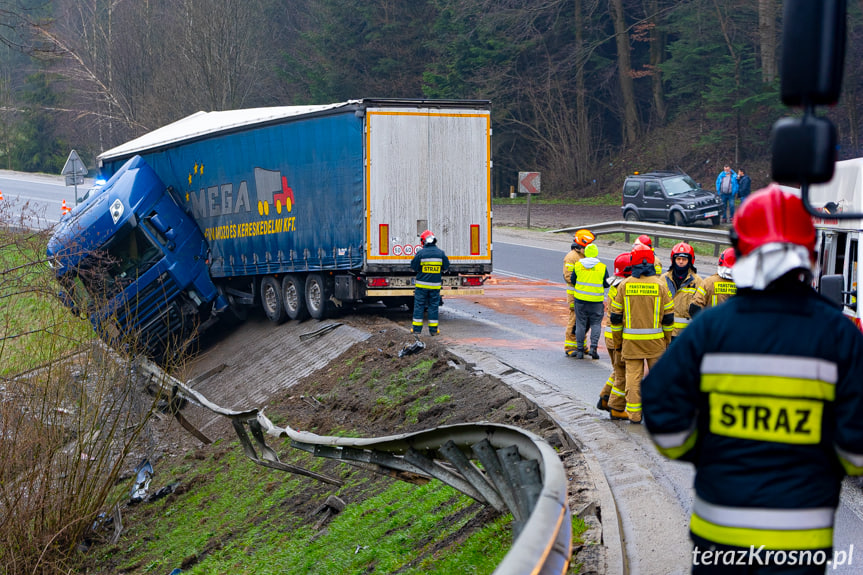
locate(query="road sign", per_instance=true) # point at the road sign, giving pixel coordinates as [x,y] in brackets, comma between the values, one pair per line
[74,167]
[528,182]
[74,180]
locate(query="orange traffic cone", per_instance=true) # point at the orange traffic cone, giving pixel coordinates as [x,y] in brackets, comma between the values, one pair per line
[64,209]
[1,196]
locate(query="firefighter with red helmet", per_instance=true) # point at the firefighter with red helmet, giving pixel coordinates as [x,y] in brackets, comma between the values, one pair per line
[622,270]
[718,287]
[580,240]
[429,264]
[644,240]
[643,312]
[683,282]
[763,395]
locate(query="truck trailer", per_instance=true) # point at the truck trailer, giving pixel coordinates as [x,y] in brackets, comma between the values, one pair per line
[298,209]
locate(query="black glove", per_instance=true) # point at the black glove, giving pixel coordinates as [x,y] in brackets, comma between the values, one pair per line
[693,310]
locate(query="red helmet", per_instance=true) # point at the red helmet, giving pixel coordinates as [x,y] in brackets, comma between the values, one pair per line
[583,237]
[642,255]
[772,215]
[645,240]
[623,265]
[727,259]
[427,238]
[683,249]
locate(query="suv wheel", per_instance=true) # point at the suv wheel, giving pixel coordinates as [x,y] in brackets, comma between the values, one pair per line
[677,219]
[631,216]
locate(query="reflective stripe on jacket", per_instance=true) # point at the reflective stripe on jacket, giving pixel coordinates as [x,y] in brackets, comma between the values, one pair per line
[569,262]
[429,264]
[683,296]
[589,282]
[642,303]
[772,420]
[714,291]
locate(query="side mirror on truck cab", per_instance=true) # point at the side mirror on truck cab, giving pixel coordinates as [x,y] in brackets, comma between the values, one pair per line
[831,288]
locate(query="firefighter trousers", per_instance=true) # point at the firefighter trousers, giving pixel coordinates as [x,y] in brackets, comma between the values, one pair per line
[426,299]
[628,399]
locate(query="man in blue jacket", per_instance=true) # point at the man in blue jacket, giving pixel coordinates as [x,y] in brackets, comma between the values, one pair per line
[429,264]
[763,395]
[726,187]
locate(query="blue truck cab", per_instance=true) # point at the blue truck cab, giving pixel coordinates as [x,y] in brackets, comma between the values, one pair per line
[134,262]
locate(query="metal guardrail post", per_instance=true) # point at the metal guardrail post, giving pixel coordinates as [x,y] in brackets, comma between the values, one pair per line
[718,238]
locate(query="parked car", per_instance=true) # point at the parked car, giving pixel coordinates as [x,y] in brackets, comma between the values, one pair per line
[668,197]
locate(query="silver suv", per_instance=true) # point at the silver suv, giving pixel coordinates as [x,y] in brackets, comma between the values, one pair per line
[668,197]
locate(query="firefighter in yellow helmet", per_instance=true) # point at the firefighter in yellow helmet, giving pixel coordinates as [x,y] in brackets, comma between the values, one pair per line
[581,240]
[643,309]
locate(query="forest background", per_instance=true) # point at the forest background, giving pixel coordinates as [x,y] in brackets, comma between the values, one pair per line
[583,91]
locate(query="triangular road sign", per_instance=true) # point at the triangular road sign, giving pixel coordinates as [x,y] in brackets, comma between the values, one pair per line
[74,166]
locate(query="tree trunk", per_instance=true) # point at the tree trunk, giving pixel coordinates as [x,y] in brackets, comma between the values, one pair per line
[583,151]
[657,55]
[767,37]
[624,67]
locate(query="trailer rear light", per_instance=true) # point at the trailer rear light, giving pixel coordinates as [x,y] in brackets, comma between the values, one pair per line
[377,282]
[474,240]
[472,281]
[384,239]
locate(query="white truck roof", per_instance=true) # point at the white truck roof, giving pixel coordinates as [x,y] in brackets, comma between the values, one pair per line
[845,190]
[203,123]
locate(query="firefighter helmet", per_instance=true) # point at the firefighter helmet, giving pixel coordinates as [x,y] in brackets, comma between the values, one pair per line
[583,237]
[644,240]
[683,249]
[772,215]
[642,255]
[623,265]
[727,259]
[427,238]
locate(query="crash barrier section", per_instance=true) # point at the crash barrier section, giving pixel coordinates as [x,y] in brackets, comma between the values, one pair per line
[520,472]
[719,238]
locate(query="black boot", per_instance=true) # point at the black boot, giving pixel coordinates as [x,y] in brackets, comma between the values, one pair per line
[579,354]
[594,353]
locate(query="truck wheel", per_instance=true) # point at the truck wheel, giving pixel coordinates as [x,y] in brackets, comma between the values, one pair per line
[631,216]
[294,296]
[318,297]
[271,300]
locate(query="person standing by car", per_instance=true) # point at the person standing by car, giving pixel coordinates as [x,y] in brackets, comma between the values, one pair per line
[763,396]
[726,187]
[744,185]
[429,264]
[580,240]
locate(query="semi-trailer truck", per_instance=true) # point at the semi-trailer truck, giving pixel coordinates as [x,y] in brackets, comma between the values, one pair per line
[298,209]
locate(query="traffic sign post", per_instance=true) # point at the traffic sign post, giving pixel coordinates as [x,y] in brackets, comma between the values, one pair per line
[529,183]
[74,170]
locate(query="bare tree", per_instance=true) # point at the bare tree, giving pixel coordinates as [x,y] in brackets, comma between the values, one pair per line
[624,69]
[768,39]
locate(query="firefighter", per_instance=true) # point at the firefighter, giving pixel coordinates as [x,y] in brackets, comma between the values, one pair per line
[763,396]
[644,240]
[643,309]
[589,279]
[580,240]
[718,287]
[429,264]
[683,282]
[622,270]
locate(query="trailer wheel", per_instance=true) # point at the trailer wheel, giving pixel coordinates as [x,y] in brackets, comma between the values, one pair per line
[294,297]
[271,300]
[318,297]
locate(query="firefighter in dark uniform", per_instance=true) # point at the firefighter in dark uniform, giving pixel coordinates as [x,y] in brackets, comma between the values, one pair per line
[718,287]
[763,394]
[429,264]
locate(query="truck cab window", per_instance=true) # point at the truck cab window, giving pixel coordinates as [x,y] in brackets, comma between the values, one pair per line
[129,255]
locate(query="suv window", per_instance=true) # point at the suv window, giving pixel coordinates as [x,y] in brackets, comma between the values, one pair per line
[652,189]
[678,185]
[631,188]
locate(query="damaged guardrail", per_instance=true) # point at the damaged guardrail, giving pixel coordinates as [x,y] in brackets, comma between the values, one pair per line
[518,471]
